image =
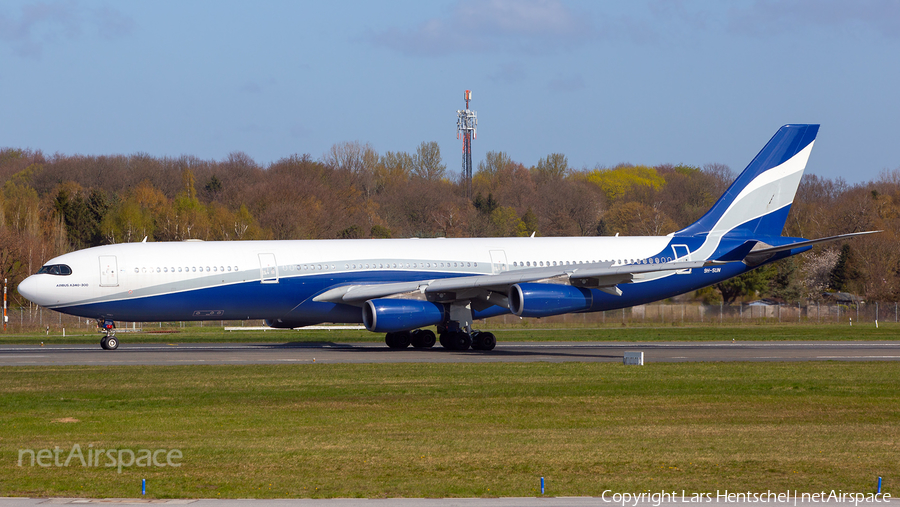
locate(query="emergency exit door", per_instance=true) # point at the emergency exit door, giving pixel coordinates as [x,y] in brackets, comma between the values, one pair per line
[109,271]
[268,268]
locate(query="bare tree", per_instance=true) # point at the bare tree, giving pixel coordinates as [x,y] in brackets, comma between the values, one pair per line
[427,162]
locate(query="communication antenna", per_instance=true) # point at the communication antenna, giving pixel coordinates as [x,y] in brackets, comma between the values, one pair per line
[466,125]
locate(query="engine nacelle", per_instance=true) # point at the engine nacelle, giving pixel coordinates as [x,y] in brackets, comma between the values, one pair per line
[390,315]
[547,299]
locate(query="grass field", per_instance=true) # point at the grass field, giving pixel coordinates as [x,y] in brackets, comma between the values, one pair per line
[438,430]
[709,332]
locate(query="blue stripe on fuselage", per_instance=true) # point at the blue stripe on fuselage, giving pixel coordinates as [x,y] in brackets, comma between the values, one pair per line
[291,298]
[249,300]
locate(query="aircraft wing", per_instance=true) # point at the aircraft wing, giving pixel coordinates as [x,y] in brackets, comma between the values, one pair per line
[602,276]
[597,275]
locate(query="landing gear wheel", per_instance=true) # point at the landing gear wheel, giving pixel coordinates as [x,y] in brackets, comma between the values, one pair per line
[422,339]
[108,342]
[397,340]
[458,340]
[483,340]
[464,341]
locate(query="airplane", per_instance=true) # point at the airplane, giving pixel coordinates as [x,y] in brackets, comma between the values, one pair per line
[401,286]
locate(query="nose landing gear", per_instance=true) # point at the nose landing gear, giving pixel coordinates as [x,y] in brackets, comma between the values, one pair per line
[108,342]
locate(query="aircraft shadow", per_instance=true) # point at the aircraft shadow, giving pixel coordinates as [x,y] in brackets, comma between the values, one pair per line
[496,353]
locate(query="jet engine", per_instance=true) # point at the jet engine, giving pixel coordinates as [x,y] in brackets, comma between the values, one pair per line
[547,299]
[390,315]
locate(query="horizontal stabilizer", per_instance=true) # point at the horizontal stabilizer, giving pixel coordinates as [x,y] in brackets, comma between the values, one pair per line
[760,255]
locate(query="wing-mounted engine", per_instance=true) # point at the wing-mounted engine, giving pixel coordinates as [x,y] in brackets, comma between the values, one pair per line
[547,299]
[390,315]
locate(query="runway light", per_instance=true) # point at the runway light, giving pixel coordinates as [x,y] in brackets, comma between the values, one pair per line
[143,486]
[542,485]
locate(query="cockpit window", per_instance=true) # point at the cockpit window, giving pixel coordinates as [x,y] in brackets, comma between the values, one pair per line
[55,269]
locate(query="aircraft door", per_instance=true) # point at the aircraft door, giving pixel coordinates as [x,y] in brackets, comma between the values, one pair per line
[109,271]
[268,268]
[498,261]
[683,254]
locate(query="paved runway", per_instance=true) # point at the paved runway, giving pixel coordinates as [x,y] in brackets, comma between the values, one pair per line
[282,353]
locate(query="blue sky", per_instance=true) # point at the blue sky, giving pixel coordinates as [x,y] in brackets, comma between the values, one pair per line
[645,82]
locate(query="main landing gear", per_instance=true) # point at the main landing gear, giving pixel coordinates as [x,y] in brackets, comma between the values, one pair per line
[455,337]
[461,340]
[108,342]
[420,339]
[451,340]
[456,333]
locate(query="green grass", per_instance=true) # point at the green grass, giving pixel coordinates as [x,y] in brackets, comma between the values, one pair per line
[437,430]
[753,332]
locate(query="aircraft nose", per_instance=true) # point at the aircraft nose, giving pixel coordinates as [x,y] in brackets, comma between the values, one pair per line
[29,289]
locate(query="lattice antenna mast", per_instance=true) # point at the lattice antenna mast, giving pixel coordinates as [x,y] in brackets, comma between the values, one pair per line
[466,126]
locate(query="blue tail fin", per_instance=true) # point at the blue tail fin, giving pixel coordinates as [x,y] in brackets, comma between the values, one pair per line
[758,201]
